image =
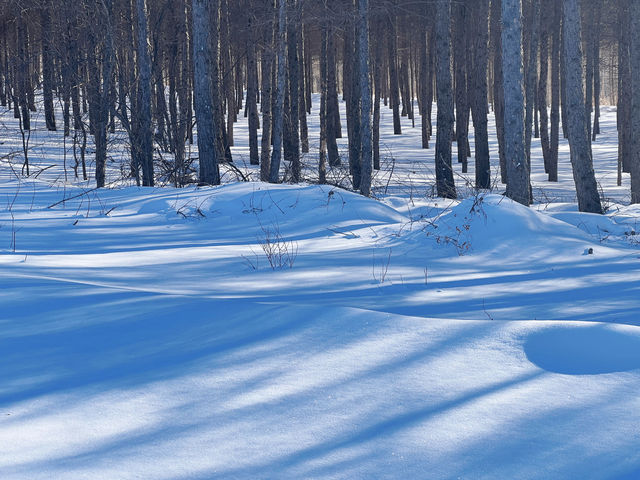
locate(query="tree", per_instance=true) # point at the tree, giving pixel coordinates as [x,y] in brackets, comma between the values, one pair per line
[291,139]
[266,98]
[512,79]
[445,184]
[478,87]
[205,114]
[141,138]
[48,79]
[278,110]
[100,63]
[365,99]
[635,101]
[530,79]
[252,89]
[579,141]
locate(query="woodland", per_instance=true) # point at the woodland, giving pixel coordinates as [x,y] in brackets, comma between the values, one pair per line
[319,239]
[159,69]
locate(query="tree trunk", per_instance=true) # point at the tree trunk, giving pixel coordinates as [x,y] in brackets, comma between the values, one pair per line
[556,48]
[322,160]
[634,15]
[478,75]
[266,101]
[394,98]
[252,91]
[532,62]
[512,79]
[353,104]
[376,102]
[543,83]
[445,184]
[459,13]
[365,100]
[304,81]
[625,132]
[202,71]
[596,71]
[292,139]
[425,79]
[47,68]
[142,141]
[276,155]
[579,141]
[498,90]
[333,110]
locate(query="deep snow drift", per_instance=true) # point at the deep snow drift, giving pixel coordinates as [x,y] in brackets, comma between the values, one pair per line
[258,331]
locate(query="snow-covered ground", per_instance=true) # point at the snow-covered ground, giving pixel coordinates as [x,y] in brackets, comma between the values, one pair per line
[254,331]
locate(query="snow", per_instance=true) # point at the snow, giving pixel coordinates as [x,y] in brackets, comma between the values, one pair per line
[145,333]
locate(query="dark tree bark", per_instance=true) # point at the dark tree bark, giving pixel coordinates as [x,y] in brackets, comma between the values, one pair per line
[266,100]
[47,67]
[142,138]
[498,90]
[22,73]
[304,81]
[333,112]
[579,141]
[513,83]
[292,139]
[252,91]
[228,78]
[352,51]
[625,132]
[425,80]
[365,99]
[634,15]
[545,21]
[322,160]
[376,102]
[556,49]
[205,113]
[394,97]
[445,184]
[596,70]
[278,109]
[100,78]
[530,79]
[479,89]
[459,13]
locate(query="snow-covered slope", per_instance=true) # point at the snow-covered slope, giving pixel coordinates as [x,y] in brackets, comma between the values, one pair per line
[145,333]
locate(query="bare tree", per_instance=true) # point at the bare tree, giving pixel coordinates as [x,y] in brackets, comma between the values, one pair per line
[579,141]
[635,101]
[512,78]
[278,110]
[445,184]
[365,99]
[205,114]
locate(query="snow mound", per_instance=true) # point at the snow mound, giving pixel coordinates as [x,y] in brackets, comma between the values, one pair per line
[494,221]
[601,226]
[586,349]
[299,209]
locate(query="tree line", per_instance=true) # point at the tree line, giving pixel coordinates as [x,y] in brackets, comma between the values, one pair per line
[162,70]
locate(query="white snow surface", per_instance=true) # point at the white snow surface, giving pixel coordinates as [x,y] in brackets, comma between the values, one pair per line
[145,333]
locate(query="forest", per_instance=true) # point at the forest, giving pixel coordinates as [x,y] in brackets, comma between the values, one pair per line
[319,239]
[157,70]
